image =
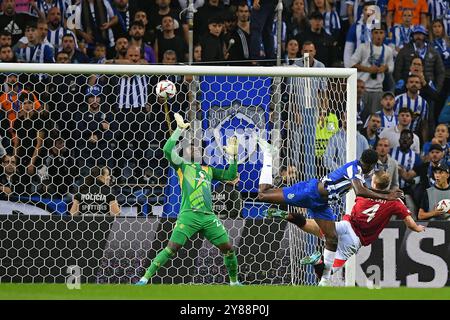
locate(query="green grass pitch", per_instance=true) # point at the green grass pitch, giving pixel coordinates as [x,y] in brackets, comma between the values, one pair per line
[213,292]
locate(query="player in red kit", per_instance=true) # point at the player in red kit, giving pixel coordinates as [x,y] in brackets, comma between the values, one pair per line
[368,218]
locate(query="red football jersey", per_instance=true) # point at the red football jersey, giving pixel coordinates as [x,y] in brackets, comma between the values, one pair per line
[370,216]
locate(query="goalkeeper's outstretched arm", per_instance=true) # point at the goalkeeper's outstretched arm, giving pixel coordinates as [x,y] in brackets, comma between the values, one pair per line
[174,159]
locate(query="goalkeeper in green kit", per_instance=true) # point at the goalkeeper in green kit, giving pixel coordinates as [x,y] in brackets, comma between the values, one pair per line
[196,214]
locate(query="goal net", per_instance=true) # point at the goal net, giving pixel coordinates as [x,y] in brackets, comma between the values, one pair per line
[86,187]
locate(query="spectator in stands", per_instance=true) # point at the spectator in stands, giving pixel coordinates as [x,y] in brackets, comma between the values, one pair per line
[441,137]
[163,9]
[409,163]
[9,179]
[327,126]
[373,60]
[56,169]
[405,116]
[334,156]
[239,47]
[44,6]
[358,34]
[122,11]
[36,51]
[168,40]
[331,19]
[9,101]
[99,53]
[197,53]
[7,54]
[360,106]
[5,39]
[386,163]
[418,106]
[437,9]
[149,34]
[122,45]
[441,43]
[428,90]
[95,195]
[296,18]
[56,29]
[433,66]
[75,55]
[14,22]
[435,156]
[29,129]
[94,20]
[395,9]
[292,52]
[211,8]
[371,130]
[400,34]
[137,31]
[440,191]
[323,42]
[387,113]
[94,132]
[261,22]
[212,45]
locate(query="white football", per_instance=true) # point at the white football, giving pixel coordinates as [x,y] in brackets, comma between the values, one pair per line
[166,89]
[444,205]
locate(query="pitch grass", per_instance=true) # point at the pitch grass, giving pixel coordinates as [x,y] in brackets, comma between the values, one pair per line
[212,292]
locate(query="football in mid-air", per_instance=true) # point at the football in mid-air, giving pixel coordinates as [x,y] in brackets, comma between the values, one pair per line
[166,89]
[444,205]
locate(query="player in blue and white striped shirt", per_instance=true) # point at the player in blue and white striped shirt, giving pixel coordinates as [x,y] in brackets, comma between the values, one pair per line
[316,195]
[414,102]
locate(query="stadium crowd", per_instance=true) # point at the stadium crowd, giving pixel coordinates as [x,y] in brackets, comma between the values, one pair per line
[48,135]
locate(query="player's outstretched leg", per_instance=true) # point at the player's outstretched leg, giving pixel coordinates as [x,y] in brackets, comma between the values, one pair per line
[331,240]
[307,225]
[231,263]
[316,261]
[160,260]
[266,193]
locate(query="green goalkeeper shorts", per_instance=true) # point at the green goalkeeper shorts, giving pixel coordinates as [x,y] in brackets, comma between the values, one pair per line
[190,222]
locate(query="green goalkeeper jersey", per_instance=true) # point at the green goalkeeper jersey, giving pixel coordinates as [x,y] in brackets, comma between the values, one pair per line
[195,179]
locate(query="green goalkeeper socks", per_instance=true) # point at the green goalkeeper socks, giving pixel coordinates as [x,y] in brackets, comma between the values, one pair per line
[231,264]
[158,262]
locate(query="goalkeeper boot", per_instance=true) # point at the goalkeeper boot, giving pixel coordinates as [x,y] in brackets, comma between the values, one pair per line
[324,282]
[266,147]
[274,212]
[312,259]
[236,284]
[142,282]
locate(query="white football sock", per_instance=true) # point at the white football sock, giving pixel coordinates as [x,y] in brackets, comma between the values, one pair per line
[266,171]
[328,260]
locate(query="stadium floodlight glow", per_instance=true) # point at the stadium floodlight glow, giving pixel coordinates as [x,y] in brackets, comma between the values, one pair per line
[283,102]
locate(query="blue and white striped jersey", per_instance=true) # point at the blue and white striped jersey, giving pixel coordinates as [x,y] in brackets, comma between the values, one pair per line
[418,106]
[45,7]
[133,92]
[41,53]
[55,37]
[339,181]
[331,22]
[387,121]
[408,160]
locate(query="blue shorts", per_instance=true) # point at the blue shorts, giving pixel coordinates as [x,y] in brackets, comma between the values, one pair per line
[305,194]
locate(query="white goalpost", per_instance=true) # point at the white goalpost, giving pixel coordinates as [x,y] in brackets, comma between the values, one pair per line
[290,105]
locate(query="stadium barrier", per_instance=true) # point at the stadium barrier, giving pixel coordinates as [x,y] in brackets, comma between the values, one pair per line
[36,248]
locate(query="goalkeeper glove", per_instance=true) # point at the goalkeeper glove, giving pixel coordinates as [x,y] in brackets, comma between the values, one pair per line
[180,122]
[232,147]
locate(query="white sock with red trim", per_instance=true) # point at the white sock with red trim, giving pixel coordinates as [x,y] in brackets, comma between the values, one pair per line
[328,260]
